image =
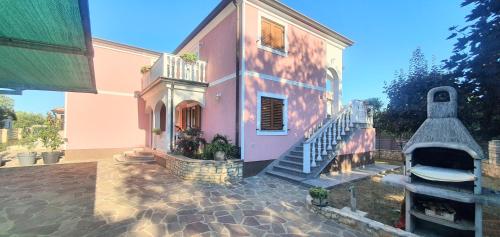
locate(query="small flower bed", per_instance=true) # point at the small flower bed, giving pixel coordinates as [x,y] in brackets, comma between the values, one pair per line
[192,144]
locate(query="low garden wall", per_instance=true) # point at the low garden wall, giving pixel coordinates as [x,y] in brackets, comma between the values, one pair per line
[201,170]
[363,224]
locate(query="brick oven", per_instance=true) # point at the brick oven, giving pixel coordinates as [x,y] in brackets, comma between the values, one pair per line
[443,172]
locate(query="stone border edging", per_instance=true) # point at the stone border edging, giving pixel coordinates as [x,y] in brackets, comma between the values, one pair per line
[210,171]
[363,224]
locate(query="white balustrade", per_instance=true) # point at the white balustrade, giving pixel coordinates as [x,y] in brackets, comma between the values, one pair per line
[330,137]
[174,67]
[324,143]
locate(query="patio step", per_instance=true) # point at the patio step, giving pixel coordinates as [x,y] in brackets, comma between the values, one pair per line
[285,176]
[137,155]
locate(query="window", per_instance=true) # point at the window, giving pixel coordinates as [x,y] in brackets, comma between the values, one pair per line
[271,114]
[272,35]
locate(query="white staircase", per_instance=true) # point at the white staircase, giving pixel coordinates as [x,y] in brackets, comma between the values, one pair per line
[308,158]
[137,155]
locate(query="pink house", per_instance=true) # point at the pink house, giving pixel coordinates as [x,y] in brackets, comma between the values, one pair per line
[267,76]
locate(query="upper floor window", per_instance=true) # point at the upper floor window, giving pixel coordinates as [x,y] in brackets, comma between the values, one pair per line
[272,34]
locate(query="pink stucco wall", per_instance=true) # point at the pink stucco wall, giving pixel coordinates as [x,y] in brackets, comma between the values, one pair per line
[218,49]
[305,63]
[362,140]
[113,118]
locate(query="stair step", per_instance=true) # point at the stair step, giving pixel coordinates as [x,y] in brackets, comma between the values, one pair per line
[289,170]
[127,159]
[290,163]
[296,153]
[139,157]
[293,158]
[285,176]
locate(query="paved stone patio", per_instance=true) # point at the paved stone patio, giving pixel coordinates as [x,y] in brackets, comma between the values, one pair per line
[100,198]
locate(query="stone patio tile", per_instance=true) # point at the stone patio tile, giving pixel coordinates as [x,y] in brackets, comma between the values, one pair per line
[99,198]
[195,228]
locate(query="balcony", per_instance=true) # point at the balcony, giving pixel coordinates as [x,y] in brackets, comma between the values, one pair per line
[170,66]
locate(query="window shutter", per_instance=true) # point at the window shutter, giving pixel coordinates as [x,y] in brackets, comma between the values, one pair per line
[266,32]
[266,114]
[277,114]
[163,118]
[278,37]
[271,114]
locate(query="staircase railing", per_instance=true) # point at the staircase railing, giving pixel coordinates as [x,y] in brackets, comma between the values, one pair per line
[324,137]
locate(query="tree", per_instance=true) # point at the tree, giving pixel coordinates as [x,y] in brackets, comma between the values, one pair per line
[407,93]
[476,64]
[6,108]
[28,119]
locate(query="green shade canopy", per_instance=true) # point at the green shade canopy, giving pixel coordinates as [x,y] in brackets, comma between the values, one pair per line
[46,45]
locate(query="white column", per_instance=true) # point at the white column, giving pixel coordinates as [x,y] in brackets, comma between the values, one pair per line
[306,158]
[168,99]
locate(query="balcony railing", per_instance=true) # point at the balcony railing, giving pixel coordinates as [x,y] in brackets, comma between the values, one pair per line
[174,67]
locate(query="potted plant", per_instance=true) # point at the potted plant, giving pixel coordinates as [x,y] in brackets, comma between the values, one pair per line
[219,147]
[28,142]
[51,140]
[190,58]
[156,131]
[319,196]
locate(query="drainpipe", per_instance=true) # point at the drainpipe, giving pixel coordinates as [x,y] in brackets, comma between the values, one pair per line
[238,56]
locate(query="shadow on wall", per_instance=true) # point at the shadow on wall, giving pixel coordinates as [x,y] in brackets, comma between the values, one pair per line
[304,63]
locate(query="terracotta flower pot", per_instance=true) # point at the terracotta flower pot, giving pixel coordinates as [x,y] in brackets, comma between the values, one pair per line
[26,158]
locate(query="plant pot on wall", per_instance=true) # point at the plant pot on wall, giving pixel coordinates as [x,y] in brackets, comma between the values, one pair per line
[51,157]
[319,196]
[219,155]
[26,158]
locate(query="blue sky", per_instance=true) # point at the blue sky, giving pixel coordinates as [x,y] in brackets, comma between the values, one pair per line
[385,33]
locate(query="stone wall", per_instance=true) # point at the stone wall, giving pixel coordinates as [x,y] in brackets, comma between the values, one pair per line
[390,155]
[346,163]
[491,170]
[201,170]
[363,224]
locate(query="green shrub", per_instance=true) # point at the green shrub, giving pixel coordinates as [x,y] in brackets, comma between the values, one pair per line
[189,142]
[318,193]
[49,134]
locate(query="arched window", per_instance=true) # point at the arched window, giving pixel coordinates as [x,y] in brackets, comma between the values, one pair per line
[163,118]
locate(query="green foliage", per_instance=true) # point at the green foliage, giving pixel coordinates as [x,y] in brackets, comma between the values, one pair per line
[156,131]
[476,63]
[220,138]
[29,138]
[6,108]
[214,147]
[28,119]
[319,193]
[222,143]
[190,142]
[49,134]
[189,57]
[145,69]
[407,93]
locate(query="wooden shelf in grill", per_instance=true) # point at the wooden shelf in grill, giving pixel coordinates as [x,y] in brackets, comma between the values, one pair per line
[459,225]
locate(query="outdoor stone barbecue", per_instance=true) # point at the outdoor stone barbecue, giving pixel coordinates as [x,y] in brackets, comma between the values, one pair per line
[443,169]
